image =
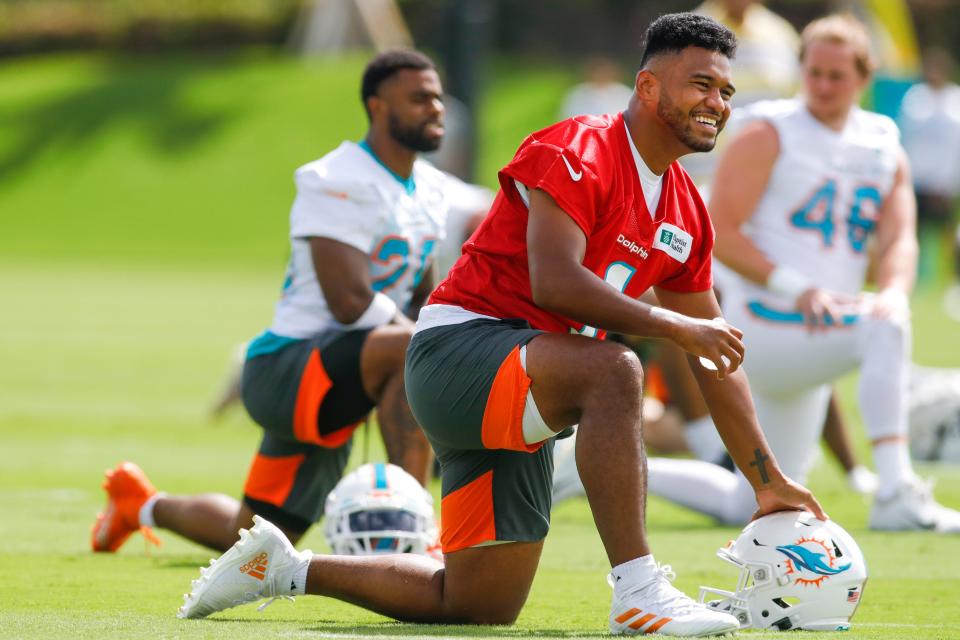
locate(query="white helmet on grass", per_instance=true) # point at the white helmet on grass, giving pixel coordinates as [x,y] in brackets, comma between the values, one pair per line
[796,572]
[379,508]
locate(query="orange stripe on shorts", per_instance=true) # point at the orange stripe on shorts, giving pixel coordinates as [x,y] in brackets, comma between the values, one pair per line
[466,515]
[271,478]
[314,386]
[502,426]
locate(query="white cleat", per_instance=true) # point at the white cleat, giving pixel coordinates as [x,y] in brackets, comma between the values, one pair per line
[913,508]
[657,607]
[261,564]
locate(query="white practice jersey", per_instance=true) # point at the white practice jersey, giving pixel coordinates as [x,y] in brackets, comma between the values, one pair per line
[349,196]
[824,194]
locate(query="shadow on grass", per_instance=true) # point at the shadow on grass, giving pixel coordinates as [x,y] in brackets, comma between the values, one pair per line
[148,92]
[332,629]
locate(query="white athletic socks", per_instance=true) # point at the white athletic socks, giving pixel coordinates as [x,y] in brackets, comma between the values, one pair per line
[892,460]
[146,510]
[298,585]
[632,573]
[703,439]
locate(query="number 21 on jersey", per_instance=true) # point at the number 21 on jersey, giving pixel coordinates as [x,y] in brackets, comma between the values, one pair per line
[393,254]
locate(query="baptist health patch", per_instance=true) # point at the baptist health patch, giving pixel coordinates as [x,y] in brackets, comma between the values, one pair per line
[673,241]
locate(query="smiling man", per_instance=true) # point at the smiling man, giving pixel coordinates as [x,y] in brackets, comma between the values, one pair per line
[591,213]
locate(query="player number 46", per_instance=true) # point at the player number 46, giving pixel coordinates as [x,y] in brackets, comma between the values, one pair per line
[817,214]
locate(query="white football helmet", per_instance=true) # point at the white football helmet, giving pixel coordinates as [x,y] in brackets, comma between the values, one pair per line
[379,508]
[796,572]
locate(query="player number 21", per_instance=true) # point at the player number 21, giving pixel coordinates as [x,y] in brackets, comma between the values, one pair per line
[395,250]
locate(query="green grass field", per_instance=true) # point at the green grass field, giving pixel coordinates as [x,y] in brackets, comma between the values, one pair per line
[143,207]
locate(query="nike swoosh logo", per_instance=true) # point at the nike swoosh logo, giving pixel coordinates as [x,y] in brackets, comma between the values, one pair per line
[575,176]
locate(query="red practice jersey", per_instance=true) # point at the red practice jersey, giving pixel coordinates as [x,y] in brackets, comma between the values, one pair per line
[587,166]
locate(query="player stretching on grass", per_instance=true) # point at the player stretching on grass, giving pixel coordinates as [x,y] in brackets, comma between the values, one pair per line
[364,228]
[591,212]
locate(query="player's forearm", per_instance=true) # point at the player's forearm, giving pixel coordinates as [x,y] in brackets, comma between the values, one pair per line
[347,305]
[738,252]
[576,293]
[897,267]
[731,407]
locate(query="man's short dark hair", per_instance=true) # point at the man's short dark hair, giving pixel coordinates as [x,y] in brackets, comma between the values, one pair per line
[386,64]
[674,32]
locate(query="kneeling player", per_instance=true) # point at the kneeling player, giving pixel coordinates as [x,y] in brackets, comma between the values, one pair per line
[493,372]
[364,228]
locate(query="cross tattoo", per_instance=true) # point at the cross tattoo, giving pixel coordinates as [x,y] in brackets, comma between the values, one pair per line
[758,462]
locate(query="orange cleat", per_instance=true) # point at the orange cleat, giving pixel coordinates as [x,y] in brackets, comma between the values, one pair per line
[127,489]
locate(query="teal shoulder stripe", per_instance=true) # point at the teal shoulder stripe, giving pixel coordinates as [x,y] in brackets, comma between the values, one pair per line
[794,317]
[408,183]
[269,342]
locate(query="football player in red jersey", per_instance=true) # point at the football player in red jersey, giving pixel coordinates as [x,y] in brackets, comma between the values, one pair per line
[591,213]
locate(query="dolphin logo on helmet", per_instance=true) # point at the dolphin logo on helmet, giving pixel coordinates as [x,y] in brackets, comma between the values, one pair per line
[809,560]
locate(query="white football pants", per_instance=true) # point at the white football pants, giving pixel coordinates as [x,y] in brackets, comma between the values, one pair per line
[790,372]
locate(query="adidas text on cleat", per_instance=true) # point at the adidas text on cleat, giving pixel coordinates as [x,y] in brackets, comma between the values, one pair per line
[127,489]
[261,564]
[657,607]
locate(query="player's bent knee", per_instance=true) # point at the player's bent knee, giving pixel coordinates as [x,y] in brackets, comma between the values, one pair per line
[897,326]
[387,346]
[393,336]
[623,374]
[889,335]
[489,585]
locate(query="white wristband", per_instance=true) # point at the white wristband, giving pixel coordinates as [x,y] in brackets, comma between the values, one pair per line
[895,296]
[381,311]
[788,282]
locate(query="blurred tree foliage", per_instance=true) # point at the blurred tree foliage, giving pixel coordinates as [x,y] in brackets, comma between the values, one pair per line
[564,29]
[570,28]
[38,25]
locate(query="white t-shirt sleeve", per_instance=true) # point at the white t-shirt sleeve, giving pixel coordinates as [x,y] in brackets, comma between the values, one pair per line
[347,212]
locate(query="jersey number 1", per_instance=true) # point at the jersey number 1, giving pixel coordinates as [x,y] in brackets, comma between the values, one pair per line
[618,276]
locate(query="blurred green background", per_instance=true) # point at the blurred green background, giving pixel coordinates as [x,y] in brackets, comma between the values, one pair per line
[147,151]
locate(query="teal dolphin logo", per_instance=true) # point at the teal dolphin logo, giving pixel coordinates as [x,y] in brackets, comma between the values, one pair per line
[806,559]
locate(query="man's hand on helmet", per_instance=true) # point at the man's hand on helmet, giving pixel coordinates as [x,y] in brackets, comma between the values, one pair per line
[787,495]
